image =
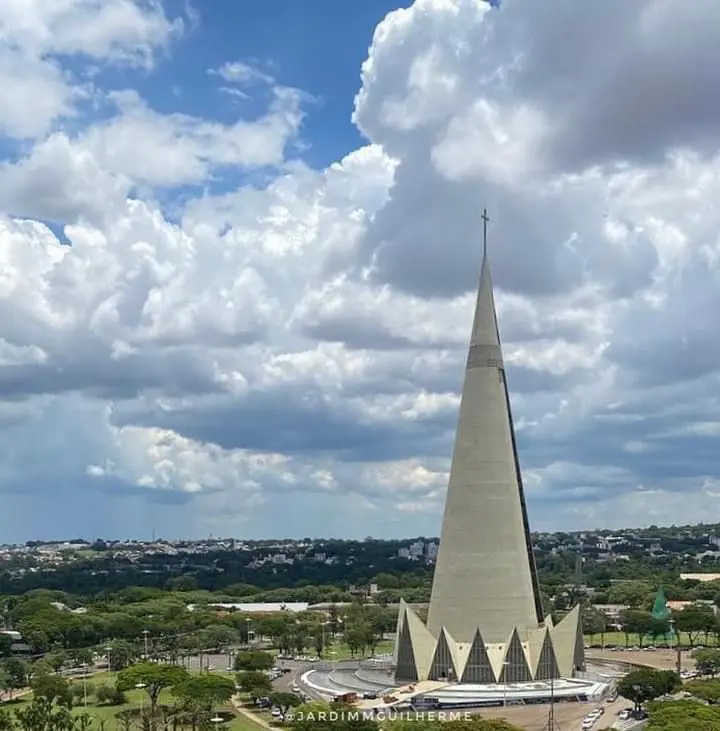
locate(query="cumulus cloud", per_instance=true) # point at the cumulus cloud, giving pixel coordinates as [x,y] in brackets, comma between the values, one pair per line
[244,356]
[38,36]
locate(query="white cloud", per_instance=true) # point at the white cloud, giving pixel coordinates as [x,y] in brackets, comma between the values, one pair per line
[110,30]
[36,89]
[172,150]
[294,347]
[242,74]
[33,93]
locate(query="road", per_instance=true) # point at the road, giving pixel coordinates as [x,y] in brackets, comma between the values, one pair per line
[216,662]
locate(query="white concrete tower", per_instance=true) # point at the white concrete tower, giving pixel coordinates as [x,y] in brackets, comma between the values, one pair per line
[485,573]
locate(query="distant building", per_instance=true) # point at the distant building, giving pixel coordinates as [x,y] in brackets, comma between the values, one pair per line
[700,577]
[18,646]
[678,606]
[611,611]
[257,607]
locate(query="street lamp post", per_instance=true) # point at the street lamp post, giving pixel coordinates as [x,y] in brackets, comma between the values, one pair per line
[145,639]
[84,667]
[678,661]
[324,641]
[108,650]
[506,664]
[140,686]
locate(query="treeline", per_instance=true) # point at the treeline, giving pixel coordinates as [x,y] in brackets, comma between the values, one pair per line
[123,621]
[213,571]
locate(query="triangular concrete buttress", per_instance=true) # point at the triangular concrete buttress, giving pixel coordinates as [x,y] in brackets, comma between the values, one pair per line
[478,669]
[579,653]
[565,642]
[405,665]
[547,666]
[443,666]
[515,663]
[423,643]
[400,621]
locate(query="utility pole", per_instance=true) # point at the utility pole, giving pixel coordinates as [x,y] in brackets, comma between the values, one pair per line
[678,649]
[551,724]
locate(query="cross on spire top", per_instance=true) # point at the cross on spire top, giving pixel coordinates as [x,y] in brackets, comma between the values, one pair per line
[485,220]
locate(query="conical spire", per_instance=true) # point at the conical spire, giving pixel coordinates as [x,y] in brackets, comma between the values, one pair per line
[485,329]
[485,574]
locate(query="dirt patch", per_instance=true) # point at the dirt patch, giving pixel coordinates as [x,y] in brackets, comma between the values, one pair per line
[568,716]
[660,659]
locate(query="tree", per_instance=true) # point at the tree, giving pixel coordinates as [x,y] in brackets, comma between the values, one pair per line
[120,655]
[253,680]
[37,640]
[645,685]
[205,688]
[42,714]
[254,661]
[54,688]
[110,695]
[154,677]
[706,690]
[284,702]
[219,635]
[5,645]
[695,619]
[5,681]
[683,715]
[594,622]
[17,672]
[82,656]
[126,719]
[7,720]
[199,693]
[319,640]
[707,661]
[57,660]
[634,621]
[181,583]
[82,721]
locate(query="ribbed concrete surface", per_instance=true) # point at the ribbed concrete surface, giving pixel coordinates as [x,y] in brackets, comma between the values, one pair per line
[484,576]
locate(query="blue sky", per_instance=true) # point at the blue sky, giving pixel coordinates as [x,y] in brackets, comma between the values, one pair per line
[317,47]
[260,323]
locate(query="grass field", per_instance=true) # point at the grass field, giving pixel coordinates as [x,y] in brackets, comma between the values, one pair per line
[340,651]
[135,699]
[618,638]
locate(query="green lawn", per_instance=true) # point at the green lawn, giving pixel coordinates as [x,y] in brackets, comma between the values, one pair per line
[135,699]
[340,651]
[618,638]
